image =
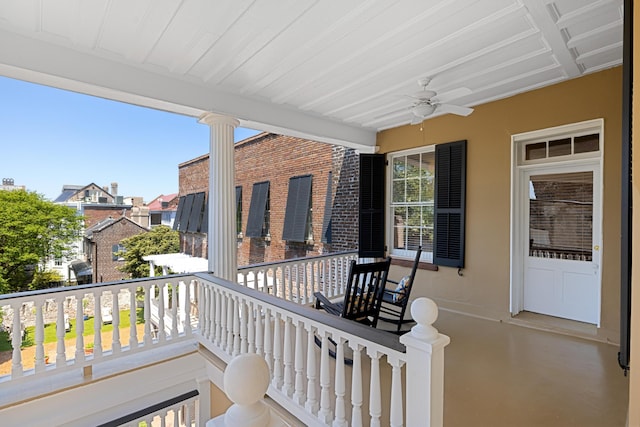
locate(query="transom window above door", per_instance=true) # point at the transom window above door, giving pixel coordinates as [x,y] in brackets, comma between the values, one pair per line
[559,149]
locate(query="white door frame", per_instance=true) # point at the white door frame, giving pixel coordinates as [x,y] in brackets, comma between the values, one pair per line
[516,301]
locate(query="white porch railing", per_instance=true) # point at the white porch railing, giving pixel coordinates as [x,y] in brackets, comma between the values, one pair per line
[297,279]
[362,384]
[28,309]
[386,380]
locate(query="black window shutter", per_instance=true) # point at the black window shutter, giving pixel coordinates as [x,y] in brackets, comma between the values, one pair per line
[371,212]
[186,212]
[297,210]
[449,212]
[195,219]
[178,218]
[238,196]
[326,220]
[256,209]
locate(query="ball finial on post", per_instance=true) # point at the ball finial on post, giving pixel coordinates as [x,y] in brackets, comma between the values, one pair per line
[425,312]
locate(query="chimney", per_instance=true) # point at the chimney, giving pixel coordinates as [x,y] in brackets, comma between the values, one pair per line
[114,189]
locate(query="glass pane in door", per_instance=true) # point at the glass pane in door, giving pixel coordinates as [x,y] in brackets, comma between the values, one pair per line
[561,216]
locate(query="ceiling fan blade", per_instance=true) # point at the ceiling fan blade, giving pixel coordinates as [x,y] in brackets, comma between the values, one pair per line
[455,109]
[453,94]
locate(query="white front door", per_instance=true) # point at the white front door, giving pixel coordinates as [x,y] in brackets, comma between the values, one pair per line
[561,253]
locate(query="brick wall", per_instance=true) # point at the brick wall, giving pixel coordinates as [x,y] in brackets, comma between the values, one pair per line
[105,269]
[346,163]
[93,214]
[276,158]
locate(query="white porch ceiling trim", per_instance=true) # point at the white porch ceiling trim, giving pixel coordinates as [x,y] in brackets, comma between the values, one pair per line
[32,60]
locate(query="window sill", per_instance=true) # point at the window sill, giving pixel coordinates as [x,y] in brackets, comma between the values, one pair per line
[409,263]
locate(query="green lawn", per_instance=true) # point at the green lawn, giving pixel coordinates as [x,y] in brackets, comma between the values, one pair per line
[50,330]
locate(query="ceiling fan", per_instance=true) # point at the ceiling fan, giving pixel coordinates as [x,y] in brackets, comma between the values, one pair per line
[427,102]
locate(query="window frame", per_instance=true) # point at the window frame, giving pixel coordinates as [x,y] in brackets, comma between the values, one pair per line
[426,256]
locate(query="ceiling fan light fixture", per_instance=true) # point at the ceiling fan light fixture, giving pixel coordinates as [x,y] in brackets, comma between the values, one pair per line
[423,110]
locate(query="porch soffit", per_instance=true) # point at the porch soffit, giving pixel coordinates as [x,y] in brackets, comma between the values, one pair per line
[332,71]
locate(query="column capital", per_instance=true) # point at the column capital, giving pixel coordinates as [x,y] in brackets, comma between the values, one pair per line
[212,119]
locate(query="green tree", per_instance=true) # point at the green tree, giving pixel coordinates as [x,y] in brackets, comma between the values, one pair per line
[160,240]
[32,230]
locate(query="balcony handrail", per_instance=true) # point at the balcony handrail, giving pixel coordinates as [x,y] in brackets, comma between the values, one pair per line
[382,338]
[73,288]
[260,265]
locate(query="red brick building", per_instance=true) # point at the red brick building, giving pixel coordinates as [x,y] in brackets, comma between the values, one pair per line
[320,216]
[102,242]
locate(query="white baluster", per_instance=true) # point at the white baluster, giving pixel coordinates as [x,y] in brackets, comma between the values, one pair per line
[277,351]
[16,342]
[305,284]
[259,330]
[311,405]
[162,333]
[187,308]
[147,316]
[176,418]
[395,417]
[218,316]
[61,357]
[223,320]
[244,345]
[324,414]
[251,327]
[39,337]
[298,395]
[79,328]
[268,340]
[97,326]
[116,346]
[356,387]
[174,310]
[340,419]
[236,326]
[133,319]
[288,359]
[375,400]
[230,319]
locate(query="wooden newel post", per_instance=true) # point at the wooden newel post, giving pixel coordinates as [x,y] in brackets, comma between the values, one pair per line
[425,367]
[246,381]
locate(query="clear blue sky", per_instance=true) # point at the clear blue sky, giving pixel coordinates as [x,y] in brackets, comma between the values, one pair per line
[51,137]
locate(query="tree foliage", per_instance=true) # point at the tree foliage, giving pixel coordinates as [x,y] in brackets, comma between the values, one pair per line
[160,240]
[32,230]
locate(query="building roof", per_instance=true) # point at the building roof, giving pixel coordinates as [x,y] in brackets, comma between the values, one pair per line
[156,204]
[106,223]
[67,192]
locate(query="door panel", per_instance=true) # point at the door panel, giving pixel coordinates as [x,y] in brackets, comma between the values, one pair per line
[561,262]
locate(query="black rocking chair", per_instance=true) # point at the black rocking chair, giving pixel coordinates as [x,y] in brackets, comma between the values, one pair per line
[395,301]
[363,296]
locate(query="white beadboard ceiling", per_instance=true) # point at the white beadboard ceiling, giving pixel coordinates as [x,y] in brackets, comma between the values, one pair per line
[333,70]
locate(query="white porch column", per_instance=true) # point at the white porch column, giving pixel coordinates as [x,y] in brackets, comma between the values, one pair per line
[221,236]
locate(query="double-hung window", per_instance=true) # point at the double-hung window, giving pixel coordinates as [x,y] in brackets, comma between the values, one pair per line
[427,203]
[412,202]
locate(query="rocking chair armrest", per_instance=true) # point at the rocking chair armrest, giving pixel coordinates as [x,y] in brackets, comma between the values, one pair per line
[395,282]
[323,302]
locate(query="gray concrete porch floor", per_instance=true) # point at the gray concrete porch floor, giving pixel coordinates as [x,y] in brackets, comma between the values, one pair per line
[511,374]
